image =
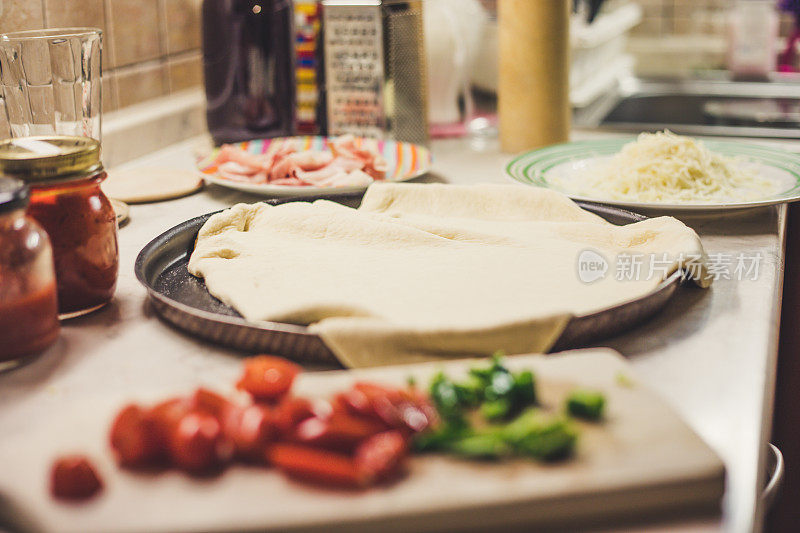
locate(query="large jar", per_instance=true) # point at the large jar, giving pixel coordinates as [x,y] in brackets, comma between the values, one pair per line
[64,176]
[28,307]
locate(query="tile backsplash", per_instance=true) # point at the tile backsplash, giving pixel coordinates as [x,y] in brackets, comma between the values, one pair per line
[691,17]
[151,48]
[680,36]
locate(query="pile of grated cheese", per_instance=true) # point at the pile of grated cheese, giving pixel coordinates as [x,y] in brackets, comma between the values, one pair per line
[666,168]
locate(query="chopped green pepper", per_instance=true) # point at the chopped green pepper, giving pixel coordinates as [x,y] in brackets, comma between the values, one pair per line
[500,394]
[586,404]
[496,409]
[483,445]
[623,380]
[525,387]
[441,437]
[445,397]
[540,435]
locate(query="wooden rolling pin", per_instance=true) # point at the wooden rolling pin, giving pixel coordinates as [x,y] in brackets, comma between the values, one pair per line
[533,84]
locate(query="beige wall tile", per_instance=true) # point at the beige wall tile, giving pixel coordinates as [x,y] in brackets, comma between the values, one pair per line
[21,15]
[141,83]
[135,34]
[686,26]
[185,73]
[64,13]
[649,27]
[91,13]
[110,96]
[181,20]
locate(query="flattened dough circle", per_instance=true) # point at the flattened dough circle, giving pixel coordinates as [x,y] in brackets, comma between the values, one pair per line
[150,184]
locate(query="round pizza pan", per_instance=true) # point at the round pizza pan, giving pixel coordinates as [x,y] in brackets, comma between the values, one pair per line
[183,300]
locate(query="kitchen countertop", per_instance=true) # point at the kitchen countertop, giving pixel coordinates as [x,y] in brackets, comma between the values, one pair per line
[710,354]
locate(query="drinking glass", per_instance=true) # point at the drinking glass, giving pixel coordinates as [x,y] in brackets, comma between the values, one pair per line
[51,82]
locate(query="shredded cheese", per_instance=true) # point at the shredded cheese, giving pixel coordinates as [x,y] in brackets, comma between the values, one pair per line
[667,168]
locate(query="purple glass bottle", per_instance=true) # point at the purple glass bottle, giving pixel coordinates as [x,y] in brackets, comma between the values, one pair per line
[248,57]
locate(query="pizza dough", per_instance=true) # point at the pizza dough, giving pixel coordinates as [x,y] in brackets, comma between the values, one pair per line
[150,184]
[121,210]
[422,271]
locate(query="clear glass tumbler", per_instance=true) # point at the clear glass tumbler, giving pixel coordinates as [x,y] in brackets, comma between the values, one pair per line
[51,82]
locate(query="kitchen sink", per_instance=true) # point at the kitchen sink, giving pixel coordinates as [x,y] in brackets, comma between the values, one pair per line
[700,107]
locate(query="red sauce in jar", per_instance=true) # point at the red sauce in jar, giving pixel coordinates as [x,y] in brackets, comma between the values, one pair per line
[28,324]
[82,227]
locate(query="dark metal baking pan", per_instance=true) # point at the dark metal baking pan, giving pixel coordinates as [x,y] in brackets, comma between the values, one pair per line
[183,300]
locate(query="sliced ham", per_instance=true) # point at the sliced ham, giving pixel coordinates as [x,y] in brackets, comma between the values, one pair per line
[289,181]
[284,168]
[344,165]
[374,163]
[336,166]
[311,159]
[232,167]
[354,178]
[230,153]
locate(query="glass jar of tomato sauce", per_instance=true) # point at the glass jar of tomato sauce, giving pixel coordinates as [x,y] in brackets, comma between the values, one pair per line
[28,306]
[64,175]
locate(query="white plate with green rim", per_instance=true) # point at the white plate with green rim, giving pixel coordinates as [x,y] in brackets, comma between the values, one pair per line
[555,166]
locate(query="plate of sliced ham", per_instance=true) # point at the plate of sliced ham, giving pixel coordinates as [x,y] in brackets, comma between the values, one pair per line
[313,164]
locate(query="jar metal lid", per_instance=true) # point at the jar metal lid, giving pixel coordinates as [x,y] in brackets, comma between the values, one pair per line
[13,195]
[49,157]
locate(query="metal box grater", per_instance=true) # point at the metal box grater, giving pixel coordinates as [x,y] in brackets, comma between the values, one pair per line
[375,73]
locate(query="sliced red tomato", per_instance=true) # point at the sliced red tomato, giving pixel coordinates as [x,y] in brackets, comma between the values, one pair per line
[290,412]
[268,378]
[210,402]
[197,443]
[319,466]
[380,457]
[74,477]
[397,408]
[339,431]
[134,438]
[251,430]
[416,411]
[166,415]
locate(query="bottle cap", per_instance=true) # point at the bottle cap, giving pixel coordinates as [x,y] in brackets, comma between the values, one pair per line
[49,158]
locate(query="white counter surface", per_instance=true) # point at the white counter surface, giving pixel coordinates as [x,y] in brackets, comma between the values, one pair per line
[711,354]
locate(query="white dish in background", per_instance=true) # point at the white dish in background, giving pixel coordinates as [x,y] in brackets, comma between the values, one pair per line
[568,163]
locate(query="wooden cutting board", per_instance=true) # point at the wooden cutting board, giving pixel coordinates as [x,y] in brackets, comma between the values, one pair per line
[642,460]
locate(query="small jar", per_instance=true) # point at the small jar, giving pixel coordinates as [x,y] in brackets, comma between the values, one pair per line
[28,306]
[64,175]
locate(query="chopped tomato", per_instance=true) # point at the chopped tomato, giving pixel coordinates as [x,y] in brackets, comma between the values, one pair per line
[370,400]
[268,378]
[397,408]
[74,478]
[290,412]
[315,465]
[210,402]
[339,431]
[251,430]
[198,443]
[133,437]
[381,456]
[416,411]
[166,415]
